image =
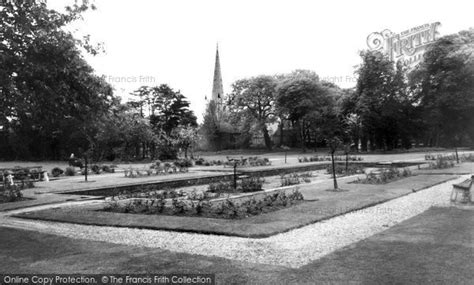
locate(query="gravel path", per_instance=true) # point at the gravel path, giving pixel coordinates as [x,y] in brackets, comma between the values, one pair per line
[292,249]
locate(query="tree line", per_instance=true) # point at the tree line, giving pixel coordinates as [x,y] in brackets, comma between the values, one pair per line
[52,104]
[392,106]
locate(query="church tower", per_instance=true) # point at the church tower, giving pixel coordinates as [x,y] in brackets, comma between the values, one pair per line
[217,87]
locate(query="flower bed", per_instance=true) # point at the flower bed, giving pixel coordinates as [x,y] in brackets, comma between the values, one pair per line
[328,158]
[352,169]
[230,208]
[11,194]
[385,175]
[251,161]
[159,168]
[442,162]
[251,184]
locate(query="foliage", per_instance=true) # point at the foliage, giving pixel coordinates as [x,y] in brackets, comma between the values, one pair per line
[291,179]
[124,134]
[57,171]
[108,168]
[440,156]
[385,176]
[442,163]
[96,169]
[443,85]
[70,171]
[186,137]
[253,100]
[227,209]
[304,100]
[12,193]
[328,158]
[341,169]
[250,184]
[51,98]
[380,111]
[467,157]
[295,178]
[158,168]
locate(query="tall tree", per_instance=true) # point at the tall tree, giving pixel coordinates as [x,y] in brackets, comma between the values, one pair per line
[301,97]
[171,110]
[171,113]
[254,98]
[443,85]
[382,103]
[48,92]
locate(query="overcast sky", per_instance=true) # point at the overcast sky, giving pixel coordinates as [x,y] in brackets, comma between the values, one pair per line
[150,42]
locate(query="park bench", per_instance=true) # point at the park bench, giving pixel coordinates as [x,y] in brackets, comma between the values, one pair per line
[464,188]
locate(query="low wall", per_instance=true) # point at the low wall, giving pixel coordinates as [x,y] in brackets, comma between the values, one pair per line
[151,186]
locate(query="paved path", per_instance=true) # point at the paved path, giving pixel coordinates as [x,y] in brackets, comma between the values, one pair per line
[293,249]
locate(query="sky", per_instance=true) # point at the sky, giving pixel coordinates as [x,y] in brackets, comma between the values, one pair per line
[153,42]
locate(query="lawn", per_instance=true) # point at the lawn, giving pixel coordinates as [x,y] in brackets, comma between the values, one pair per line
[319,205]
[432,248]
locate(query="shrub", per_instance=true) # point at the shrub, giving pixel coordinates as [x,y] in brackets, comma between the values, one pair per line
[56,171]
[108,169]
[178,206]
[469,157]
[95,168]
[184,162]
[12,193]
[221,187]
[288,180]
[328,158]
[199,161]
[223,209]
[251,184]
[70,171]
[385,176]
[442,162]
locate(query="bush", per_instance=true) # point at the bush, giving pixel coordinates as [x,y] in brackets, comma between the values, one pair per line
[385,176]
[56,171]
[95,168]
[221,187]
[229,209]
[183,163]
[199,161]
[11,194]
[328,158]
[442,162]
[70,171]
[468,158]
[251,184]
[167,152]
[108,169]
[290,179]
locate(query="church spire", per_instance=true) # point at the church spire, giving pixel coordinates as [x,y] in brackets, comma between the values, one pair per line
[217,87]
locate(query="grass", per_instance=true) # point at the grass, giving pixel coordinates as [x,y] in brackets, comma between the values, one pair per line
[432,248]
[319,205]
[28,252]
